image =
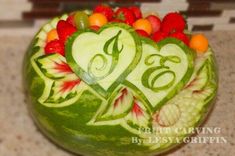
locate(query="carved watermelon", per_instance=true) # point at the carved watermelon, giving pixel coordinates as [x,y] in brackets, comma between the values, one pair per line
[111,85]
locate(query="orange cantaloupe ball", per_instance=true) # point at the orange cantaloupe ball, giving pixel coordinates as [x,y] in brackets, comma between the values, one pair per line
[143,24]
[199,43]
[97,19]
[52,35]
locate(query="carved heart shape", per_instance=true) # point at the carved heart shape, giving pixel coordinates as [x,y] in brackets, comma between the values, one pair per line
[104,59]
[162,72]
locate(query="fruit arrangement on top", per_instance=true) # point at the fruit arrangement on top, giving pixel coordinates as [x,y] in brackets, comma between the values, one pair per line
[112,82]
[172,25]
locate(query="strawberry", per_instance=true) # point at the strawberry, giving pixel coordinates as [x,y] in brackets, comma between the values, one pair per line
[105,10]
[173,22]
[158,36]
[65,30]
[136,11]
[142,33]
[54,46]
[125,15]
[70,19]
[181,36]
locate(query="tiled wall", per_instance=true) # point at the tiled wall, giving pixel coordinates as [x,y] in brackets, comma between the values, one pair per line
[202,14]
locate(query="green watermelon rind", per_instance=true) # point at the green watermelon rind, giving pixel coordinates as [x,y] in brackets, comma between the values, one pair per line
[59,135]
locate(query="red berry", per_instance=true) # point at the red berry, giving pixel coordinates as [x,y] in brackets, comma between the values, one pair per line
[158,36]
[155,22]
[173,22]
[70,19]
[136,11]
[142,33]
[54,46]
[94,27]
[65,30]
[105,10]
[125,15]
[181,36]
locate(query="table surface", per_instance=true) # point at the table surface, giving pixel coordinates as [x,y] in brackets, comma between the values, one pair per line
[20,137]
